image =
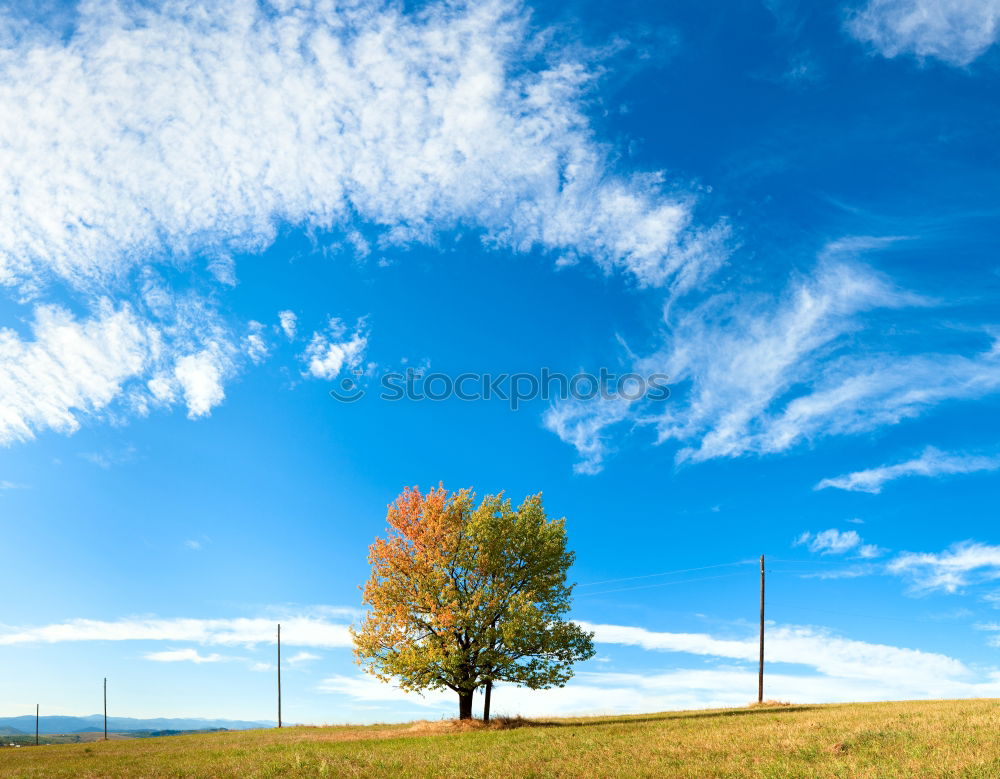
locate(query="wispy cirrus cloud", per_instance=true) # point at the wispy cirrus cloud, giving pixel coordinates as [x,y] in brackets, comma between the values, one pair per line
[184,656]
[837,542]
[817,648]
[289,323]
[960,565]
[953,31]
[254,343]
[332,350]
[306,115]
[120,360]
[296,630]
[761,374]
[932,462]
[830,541]
[302,657]
[178,135]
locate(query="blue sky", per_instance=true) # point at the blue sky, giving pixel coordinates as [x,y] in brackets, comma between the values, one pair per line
[215,215]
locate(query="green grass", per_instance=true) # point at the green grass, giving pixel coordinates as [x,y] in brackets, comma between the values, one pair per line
[910,739]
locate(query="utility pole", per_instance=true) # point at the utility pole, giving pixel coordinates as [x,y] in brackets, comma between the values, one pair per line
[760,672]
[105,708]
[36,724]
[279,674]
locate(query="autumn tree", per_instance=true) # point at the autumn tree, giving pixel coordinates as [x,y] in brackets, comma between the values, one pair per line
[464,595]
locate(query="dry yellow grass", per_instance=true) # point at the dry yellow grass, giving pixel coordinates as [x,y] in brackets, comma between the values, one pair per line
[910,739]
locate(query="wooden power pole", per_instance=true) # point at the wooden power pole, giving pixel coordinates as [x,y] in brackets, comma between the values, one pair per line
[279,674]
[105,708]
[760,671]
[36,724]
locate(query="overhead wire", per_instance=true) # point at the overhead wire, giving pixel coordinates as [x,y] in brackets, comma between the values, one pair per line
[663,584]
[665,573]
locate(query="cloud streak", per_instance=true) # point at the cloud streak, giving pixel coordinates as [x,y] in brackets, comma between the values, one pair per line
[960,565]
[302,631]
[761,374]
[932,462]
[184,656]
[822,650]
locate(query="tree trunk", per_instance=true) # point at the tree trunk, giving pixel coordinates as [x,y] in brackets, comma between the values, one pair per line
[486,700]
[465,704]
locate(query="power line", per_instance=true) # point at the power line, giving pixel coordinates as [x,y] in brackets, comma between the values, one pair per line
[666,573]
[666,584]
[824,573]
[808,562]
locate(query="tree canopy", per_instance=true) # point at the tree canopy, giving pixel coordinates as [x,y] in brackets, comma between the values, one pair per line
[464,595]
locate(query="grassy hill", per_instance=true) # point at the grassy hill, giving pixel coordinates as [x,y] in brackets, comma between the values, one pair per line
[910,739]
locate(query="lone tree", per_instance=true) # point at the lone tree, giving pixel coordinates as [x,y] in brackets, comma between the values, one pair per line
[462,596]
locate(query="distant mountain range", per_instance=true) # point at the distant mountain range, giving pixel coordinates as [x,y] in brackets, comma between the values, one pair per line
[15,725]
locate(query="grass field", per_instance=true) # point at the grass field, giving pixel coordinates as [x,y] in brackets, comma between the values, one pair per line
[911,739]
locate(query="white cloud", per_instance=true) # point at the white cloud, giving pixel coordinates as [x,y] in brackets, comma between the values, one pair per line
[738,367]
[69,368]
[672,690]
[194,544]
[254,344]
[173,130]
[367,688]
[332,350]
[11,485]
[184,656]
[170,133]
[843,670]
[585,425]
[757,374]
[853,572]
[288,323]
[304,631]
[954,31]
[302,657]
[958,566]
[110,457]
[223,268]
[820,649]
[121,360]
[932,462]
[839,668]
[830,541]
[838,542]
[200,377]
